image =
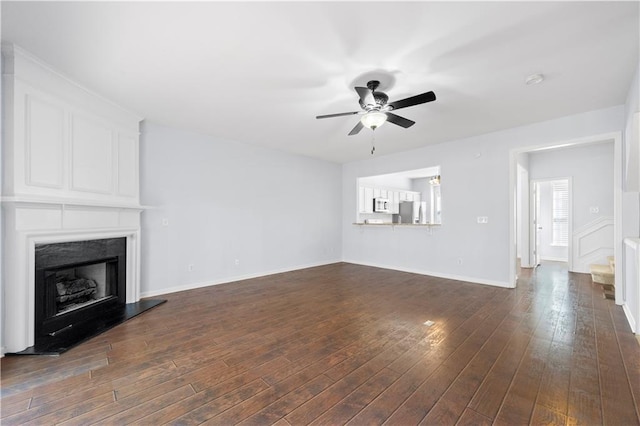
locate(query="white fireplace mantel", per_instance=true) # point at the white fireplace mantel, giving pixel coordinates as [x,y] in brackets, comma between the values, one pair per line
[70,173]
[29,224]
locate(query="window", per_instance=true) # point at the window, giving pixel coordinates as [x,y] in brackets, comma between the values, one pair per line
[560,212]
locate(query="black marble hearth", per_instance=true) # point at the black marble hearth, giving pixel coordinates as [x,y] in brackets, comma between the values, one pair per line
[76,334]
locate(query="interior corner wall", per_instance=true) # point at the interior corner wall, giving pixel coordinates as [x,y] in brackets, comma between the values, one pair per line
[231,210]
[631,199]
[2,319]
[475,175]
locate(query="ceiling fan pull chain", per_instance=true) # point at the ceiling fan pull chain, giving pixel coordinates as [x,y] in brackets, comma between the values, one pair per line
[373,141]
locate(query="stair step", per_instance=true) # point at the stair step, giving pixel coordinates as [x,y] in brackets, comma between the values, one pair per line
[602,274]
[600,269]
[608,287]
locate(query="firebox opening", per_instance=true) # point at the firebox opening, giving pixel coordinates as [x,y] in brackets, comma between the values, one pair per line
[83,285]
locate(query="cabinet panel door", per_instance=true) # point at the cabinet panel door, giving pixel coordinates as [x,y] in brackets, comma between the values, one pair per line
[395,204]
[361,200]
[127,165]
[44,143]
[368,200]
[91,156]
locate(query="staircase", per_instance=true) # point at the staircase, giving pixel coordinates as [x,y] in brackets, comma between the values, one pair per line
[605,276]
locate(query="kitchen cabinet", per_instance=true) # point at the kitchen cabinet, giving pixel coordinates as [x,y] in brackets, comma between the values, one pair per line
[366,195]
[395,202]
[369,195]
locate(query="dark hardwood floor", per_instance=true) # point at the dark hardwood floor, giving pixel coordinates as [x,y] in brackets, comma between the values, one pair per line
[347,344]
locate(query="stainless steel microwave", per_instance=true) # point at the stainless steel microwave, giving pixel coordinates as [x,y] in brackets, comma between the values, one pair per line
[381,205]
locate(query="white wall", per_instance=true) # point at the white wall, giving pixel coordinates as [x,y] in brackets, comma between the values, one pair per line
[631,199]
[225,201]
[475,182]
[630,297]
[591,167]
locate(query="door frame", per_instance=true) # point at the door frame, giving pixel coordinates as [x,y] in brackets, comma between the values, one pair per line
[618,161]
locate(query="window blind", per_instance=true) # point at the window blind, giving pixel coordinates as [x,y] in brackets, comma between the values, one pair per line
[560,212]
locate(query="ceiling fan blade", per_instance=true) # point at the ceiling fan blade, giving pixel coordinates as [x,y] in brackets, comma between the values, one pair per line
[366,95]
[340,114]
[413,100]
[400,121]
[356,129]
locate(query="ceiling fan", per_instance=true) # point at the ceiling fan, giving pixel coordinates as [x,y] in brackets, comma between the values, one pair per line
[376,110]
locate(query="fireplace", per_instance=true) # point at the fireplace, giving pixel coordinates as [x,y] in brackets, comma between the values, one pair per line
[81,290]
[77,283]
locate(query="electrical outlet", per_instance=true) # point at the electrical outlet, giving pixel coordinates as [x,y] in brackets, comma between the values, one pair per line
[191,267]
[237,262]
[594,209]
[483,219]
[459,261]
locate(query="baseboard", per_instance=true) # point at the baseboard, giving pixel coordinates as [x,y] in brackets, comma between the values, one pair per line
[630,319]
[554,259]
[192,286]
[473,280]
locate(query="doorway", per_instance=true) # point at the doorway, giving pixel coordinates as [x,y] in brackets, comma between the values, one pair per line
[555,162]
[551,224]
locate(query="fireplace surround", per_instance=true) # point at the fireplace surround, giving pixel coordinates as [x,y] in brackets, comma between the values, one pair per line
[77,282]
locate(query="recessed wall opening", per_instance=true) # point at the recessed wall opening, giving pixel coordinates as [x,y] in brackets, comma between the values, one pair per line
[411,197]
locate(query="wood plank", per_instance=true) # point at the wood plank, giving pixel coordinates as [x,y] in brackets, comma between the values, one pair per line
[343,344]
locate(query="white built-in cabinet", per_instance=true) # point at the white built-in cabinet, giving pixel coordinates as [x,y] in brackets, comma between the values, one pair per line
[60,143]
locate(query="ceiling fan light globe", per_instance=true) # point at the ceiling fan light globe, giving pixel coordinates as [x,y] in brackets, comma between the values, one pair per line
[373,119]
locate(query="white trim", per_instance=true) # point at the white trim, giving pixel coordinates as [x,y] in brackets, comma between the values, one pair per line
[630,319]
[473,280]
[631,268]
[192,286]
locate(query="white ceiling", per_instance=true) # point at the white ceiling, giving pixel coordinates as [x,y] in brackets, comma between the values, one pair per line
[260,72]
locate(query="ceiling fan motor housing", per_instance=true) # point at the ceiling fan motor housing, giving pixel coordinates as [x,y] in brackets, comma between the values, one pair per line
[380,98]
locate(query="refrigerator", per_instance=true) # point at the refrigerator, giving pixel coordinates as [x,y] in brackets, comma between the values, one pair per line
[406,212]
[409,212]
